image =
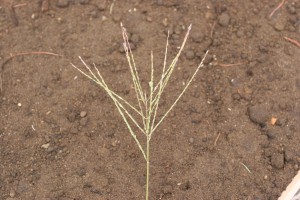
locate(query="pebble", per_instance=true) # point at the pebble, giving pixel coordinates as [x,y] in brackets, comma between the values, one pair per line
[117,18]
[149,19]
[191,140]
[134,38]
[71,116]
[62,3]
[189,54]
[279,25]
[291,9]
[277,160]
[259,114]
[185,186]
[12,193]
[224,19]
[82,2]
[83,114]
[94,14]
[197,36]
[83,121]
[165,22]
[167,189]
[101,5]
[289,155]
[45,146]
[73,130]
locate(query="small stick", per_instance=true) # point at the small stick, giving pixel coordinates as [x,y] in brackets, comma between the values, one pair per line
[21,54]
[281,4]
[229,65]
[246,167]
[111,7]
[20,5]
[212,29]
[45,5]
[34,53]
[12,14]
[292,41]
[215,143]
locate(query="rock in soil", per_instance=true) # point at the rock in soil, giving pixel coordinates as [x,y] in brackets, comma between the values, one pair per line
[259,114]
[277,160]
[224,19]
[62,3]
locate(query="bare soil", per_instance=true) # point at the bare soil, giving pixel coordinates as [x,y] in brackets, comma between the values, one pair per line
[234,135]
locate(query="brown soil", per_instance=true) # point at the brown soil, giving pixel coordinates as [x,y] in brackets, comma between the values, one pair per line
[62,138]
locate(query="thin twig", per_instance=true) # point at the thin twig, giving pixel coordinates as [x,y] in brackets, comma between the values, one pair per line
[12,14]
[246,167]
[20,54]
[20,5]
[111,7]
[279,6]
[229,65]
[215,143]
[212,29]
[292,41]
[45,5]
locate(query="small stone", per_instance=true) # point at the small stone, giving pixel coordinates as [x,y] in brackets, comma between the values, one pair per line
[190,55]
[135,38]
[167,189]
[149,19]
[81,171]
[83,114]
[19,104]
[296,167]
[74,130]
[291,9]
[82,2]
[277,160]
[259,114]
[177,29]
[62,3]
[224,19]
[45,146]
[279,25]
[165,22]
[289,155]
[239,33]
[94,14]
[12,193]
[83,121]
[197,36]
[117,18]
[103,18]
[101,5]
[191,140]
[185,186]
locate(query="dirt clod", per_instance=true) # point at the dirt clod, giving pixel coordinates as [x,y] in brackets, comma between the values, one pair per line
[277,160]
[83,114]
[62,3]
[190,55]
[224,19]
[259,114]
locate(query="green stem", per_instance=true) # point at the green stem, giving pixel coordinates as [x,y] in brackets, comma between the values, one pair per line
[148,167]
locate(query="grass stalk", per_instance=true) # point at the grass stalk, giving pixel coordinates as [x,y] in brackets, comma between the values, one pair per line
[147,104]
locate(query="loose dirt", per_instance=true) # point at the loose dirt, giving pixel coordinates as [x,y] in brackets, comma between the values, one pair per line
[234,135]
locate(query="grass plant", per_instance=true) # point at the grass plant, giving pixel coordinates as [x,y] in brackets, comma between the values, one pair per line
[144,115]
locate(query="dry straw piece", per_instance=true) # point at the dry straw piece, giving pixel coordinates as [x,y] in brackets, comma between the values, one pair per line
[147,103]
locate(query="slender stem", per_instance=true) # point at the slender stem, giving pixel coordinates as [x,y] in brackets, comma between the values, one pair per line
[148,166]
